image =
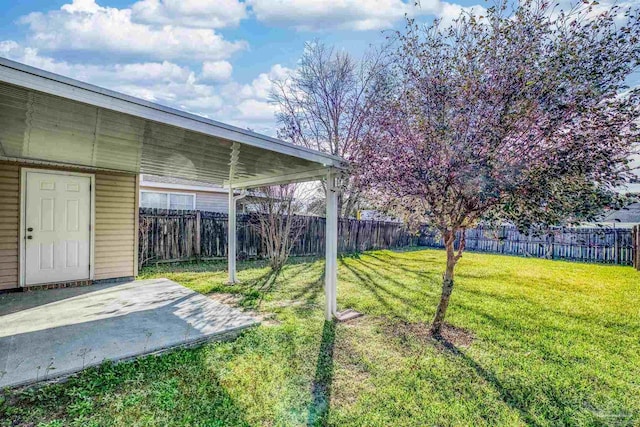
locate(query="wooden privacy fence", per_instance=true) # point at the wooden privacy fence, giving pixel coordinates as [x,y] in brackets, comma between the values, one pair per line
[601,245]
[168,235]
[636,245]
[183,235]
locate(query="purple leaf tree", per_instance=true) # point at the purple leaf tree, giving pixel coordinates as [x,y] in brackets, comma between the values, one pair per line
[519,116]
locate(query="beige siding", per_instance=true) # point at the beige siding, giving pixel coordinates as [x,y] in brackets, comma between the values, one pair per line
[208,201]
[212,202]
[115,224]
[9,224]
[136,220]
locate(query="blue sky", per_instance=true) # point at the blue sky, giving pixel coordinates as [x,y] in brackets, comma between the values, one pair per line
[213,58]
[210,57]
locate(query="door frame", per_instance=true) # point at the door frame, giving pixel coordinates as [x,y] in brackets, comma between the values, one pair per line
[22,247]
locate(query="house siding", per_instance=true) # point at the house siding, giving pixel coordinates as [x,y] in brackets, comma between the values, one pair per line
[115,223]
[9,225]
[115,227]
[205,200]
[212,202]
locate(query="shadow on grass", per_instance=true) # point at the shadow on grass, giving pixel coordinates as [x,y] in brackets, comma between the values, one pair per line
[540,309]
[254,291]
[199,266]
[369,283]
[158,385]
[428,280]
[505,394]
[311,291]
[431,268]
[373,281]
[321,388]
[451,344]
[403,249]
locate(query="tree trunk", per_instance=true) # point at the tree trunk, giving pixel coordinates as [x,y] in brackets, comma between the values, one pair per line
[447,287]
[340,201]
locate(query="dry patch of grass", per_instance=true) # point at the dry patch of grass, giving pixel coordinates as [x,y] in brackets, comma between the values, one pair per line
[451,335]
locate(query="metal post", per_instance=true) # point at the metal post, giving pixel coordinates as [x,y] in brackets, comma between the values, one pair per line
[231,233]
[331,248]
[232,238]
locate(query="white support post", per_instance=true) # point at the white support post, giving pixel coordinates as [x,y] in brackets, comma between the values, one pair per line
[231,233]
[232,239]
[331,248]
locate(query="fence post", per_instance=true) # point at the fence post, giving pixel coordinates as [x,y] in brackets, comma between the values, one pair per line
[635,246]
[616,249]
[198,232]
[552,239]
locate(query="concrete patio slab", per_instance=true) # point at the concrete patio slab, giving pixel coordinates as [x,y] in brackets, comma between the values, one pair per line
[53,333]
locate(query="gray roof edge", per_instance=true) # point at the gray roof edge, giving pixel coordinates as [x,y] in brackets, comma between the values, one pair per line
[259,139]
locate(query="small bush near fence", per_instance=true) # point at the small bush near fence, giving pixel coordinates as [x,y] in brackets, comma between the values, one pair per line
[184,235]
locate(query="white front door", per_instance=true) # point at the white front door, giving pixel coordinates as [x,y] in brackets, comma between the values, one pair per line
[57,227]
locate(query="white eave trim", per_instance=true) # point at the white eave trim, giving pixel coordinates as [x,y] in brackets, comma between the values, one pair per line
[305,176]
[33,78]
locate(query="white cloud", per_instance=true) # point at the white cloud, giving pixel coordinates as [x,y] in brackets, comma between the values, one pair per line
[88,6]
[216,71]
[83,25]
[449,12]
[137,79]
[260,87]
[244,105]
[256,110]
[356,15]
[204,105]
[343,14]
[153,81]
[250,106]
[190,13]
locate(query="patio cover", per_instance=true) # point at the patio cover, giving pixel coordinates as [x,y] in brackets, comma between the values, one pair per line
[46,118]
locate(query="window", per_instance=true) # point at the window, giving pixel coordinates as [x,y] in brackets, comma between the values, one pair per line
[154,200]
[181,201]
[158,200]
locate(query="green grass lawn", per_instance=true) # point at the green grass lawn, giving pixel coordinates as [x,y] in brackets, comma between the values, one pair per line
[543,343]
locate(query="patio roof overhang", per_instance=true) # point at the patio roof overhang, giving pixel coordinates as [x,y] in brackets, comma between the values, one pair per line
[45,117]
[49,119]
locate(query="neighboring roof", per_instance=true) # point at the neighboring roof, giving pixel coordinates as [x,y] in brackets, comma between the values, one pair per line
[51,118]
[628,214]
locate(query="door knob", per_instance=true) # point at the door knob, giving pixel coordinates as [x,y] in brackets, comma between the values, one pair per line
[29,237]
[30,229]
